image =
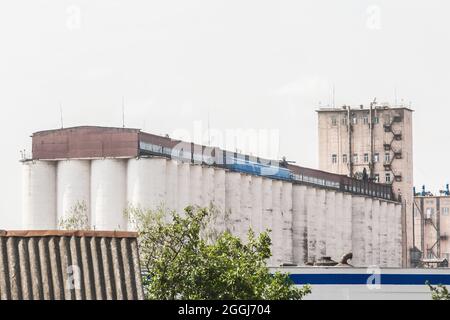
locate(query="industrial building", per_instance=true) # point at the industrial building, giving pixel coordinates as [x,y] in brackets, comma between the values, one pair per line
[432,226]
[312,213]
[372,143]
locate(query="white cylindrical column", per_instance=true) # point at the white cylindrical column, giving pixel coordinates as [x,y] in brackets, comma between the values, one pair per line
[219,200]
[39,195]
[391,220]
[376,232]
[171,200]
[108,194]
[339,226]
[277,224]
[299,228]
[384,250]
[257,208]
[321,226]
[398,235]
[246,206]
[183,186]
[72,189]
[368,235]
[233,200]
[331,226]
[347,234]
[196,189]
[286,213]
[312,217]
[358,229]
[208,186]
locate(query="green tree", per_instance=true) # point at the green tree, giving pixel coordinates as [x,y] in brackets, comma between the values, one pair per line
[77,218]
[439,292]
[183,261]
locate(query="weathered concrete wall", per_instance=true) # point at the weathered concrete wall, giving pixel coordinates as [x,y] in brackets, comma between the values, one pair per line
[306,223]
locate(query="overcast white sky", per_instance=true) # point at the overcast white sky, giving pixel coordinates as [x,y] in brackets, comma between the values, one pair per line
[252,64]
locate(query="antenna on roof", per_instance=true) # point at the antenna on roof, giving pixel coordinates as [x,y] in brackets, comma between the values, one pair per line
[123,112]
[61,115]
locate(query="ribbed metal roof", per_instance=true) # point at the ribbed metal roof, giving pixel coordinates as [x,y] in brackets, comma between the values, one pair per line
[69,265]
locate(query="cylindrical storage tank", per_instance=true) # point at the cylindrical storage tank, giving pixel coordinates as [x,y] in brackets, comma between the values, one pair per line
[376,232]
[208,186]
[108,194]
[358,231]
[171,185]
[299,229]
[267,219]
[347,235]
[233,200]
[73,189]
[384,250]
[398,232]
[183,186]
[196,189]
[311,223]
[246,206]
[219,199]
[321,223]
[368,233]
[257,211]
[331,226]
[339,230]
[39,195]
[286,213]
[277,223]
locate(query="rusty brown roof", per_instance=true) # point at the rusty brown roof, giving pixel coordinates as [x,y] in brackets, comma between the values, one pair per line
[69,265]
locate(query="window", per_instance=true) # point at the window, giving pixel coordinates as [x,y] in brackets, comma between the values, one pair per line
[365,119]
[387,157]
[334,158]
[376,178]
[333,121]
[344,121]
[388,178]
[355,120]
[376,120]
[376,157]
[355,158]
[344,158]
[366,157]
[445,211]
[429,213]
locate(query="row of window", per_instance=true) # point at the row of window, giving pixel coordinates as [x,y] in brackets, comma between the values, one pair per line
[364,120]
[376,158]
[429,212]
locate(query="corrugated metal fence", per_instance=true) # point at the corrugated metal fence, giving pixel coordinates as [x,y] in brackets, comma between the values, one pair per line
[70,265]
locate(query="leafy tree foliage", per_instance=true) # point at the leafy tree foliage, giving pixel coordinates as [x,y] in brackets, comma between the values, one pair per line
[183,261]
[77,218]
[439,292]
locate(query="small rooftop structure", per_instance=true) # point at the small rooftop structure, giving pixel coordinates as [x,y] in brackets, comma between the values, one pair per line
[69,265]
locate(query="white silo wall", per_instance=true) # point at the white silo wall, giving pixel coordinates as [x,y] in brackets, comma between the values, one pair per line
[339,225]
[398,229]
[268,213]
[208,186]
[257,208]
[246,206]
[39,195]
[376,232]
[108,194]
[391,235]
[196,189]
[312,217]
[286,212]
[321,231]
[384,250]
[358,228]
[331,226]
[233,200]
[299,227]
[368,233]
[348,223]
[219,200]
[277,226]
[72,188]
[183,186]
[171,201]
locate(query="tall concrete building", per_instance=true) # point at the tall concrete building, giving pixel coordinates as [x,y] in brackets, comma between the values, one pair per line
[432,225]
[373,143]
